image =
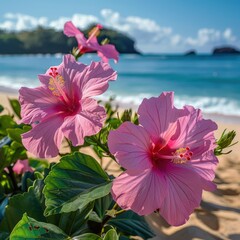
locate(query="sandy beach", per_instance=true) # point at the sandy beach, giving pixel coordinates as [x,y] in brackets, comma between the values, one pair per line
[219,214]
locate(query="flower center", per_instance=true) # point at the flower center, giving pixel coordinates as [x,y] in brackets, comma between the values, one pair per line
[162,154]
[182,155]
[56,85]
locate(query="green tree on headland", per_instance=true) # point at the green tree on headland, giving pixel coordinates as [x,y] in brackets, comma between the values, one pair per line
[47,40]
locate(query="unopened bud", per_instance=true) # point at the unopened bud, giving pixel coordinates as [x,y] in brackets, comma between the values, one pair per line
[105,41]
[126,116]
[224,142]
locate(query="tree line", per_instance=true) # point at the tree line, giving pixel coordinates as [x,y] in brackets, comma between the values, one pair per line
[47,40]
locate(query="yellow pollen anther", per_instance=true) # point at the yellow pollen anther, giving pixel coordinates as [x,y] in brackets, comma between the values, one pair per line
[182,155]
[56,84]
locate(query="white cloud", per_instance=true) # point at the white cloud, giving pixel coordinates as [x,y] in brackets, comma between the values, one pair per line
[19,22]
[59,23]
[227,34]
[150,36]
[145,31]
[83,21]
[209,36]
[7,25]
[176,39]
[79,20]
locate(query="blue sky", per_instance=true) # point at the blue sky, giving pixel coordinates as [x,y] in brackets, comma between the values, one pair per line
[156,25]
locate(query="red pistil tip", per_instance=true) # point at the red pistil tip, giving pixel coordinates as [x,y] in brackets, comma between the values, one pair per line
[99,26]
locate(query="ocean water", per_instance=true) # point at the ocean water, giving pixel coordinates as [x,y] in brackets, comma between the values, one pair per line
[211,83]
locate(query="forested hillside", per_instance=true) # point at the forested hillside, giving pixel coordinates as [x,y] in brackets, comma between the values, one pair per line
[46,40]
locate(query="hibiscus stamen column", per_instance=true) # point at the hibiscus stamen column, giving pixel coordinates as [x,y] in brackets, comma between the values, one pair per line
[94,32]
[182,155]
[56,83]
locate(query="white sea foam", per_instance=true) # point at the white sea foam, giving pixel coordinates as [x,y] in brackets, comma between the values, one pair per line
[209,105]
[17,82]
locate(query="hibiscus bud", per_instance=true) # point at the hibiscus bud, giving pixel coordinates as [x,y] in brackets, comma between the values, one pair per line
[105,41]
[76,53]
[225,141]
[127,115]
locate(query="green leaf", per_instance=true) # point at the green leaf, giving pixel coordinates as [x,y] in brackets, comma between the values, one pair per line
[73,223]
[6,122]
[15,106]
[15,134]
[102,205]
[7,156]
[4,235]
[74,182]
[87,236]
[129,223]
[3,204]
[1,108]
[111,235]
[26,202]
[33,203]
[29,228]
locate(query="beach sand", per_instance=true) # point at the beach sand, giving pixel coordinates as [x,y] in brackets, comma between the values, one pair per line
[218,217]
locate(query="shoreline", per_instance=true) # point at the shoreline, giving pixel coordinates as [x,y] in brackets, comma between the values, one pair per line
[221,118]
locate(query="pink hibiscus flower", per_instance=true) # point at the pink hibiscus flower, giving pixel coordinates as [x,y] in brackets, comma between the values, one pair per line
[91,44]
[62,106]
[169,160]
[22,166]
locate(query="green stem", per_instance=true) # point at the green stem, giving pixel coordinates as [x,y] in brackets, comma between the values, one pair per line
[103,147]
[120,211]
[108,217]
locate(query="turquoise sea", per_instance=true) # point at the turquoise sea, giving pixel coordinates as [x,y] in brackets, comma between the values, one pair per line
[211,83]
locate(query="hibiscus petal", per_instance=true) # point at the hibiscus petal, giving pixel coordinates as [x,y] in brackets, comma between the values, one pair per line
[197,134]
[94,79]
[87,122]
[159,117]
[183,194]
[130,144]
[108,51]
[142,192]
[193,130]
[205,167]
[71,31]
[45,138]
[36,103]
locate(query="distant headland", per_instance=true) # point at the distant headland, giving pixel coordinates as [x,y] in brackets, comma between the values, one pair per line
[46,40]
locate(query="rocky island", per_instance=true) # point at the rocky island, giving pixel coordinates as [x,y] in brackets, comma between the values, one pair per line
[225,50]
[190,53]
